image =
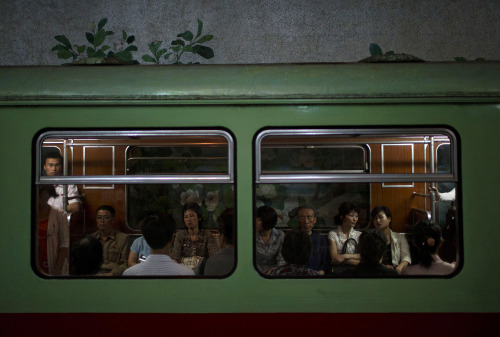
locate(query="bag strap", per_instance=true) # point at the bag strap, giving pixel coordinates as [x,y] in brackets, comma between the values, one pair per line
[344,247]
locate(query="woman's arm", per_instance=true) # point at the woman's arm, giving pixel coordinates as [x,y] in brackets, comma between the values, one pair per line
[132,258]
[336,257]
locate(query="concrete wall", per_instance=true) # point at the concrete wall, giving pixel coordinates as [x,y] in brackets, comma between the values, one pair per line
[251,31]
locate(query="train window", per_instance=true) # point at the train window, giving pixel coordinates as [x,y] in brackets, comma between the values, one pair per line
[146,176]
[306,178]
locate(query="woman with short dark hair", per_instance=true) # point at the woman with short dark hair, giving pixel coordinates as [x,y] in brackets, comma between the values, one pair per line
[268,239]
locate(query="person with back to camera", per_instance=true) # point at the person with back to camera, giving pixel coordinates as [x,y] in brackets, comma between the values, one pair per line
[52,165]
[222,262]
[268,239]
[194,244]
[86,256]
[158,231]
[53,235]
[344,240]
[115,244]
[397,252]
[296,250]
[427,239]
[372,244]
[139,251]
[319,260]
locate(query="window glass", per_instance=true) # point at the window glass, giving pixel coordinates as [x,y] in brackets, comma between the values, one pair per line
[323,171]
[139,176]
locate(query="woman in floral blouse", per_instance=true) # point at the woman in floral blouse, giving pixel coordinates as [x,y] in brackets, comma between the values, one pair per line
[194,244]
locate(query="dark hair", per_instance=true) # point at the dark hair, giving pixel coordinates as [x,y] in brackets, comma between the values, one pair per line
[226,224]
[384,209]
[55,154]
[306,206]
[268,216]
[108,208]
[157,230]
[297,247]
[371,246]
[192,206]
[49,189]
[344,209]
[426,238]
[87,256]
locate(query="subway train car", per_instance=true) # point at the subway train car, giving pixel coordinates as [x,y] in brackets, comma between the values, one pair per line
[418,138]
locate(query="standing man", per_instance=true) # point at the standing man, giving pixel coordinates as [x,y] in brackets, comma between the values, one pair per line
[115,244]
[158,232]
[306,217]
[52,165]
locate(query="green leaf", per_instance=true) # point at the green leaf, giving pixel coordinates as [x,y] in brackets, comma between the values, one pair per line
[80,49]
[131,48]
[64,40]
[205,52]
[90,37]
[187,35]
[90,52]
[108,32]
[105,47]
[390,52]
[102,23]
[188,49]
[200,27]
[167,56]
[161,52]
[59,47]
[480,59]
[100,53]
[176,48]
[130,39]
[149,58]
[205,38]
[124,55]
[99,37]
[111,54]
[460,59]
[375,49]
[124,35]
[178,43]
[64,54]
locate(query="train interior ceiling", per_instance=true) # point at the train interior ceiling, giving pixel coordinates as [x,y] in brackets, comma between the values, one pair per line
[143,171]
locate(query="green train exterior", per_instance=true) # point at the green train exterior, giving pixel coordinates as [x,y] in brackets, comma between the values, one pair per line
[244,99]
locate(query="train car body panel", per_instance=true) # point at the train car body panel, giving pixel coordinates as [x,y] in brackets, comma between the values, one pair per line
[245,100]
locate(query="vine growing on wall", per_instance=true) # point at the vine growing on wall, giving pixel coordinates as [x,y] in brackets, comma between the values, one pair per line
[100,50]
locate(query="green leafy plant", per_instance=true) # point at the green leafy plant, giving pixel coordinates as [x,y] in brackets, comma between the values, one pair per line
[376,50]
[186,42]
[97,49]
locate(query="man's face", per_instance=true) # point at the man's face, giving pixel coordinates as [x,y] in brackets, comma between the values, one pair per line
[104,220]
[53,167]
[306,220]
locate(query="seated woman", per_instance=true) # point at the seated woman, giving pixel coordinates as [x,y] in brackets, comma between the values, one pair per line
[427,239]
[194,244]
[268,239]
[296,250]
[397,251]
[343,240]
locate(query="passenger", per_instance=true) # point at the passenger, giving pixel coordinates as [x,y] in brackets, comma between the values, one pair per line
[52,164]
[296,250]
[445,196]
[372,244]
[53,235]
[268,239]
[427,239]
[344,240]
[158,232]
[86,256]
[139,251]
[319,260]
[115,244]
[397,252]
[194,244]
[223,261]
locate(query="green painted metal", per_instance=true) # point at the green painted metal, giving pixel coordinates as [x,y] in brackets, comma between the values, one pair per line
[464,97]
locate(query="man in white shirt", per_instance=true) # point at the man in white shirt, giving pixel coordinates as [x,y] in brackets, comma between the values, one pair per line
[52,165]
[159,233]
